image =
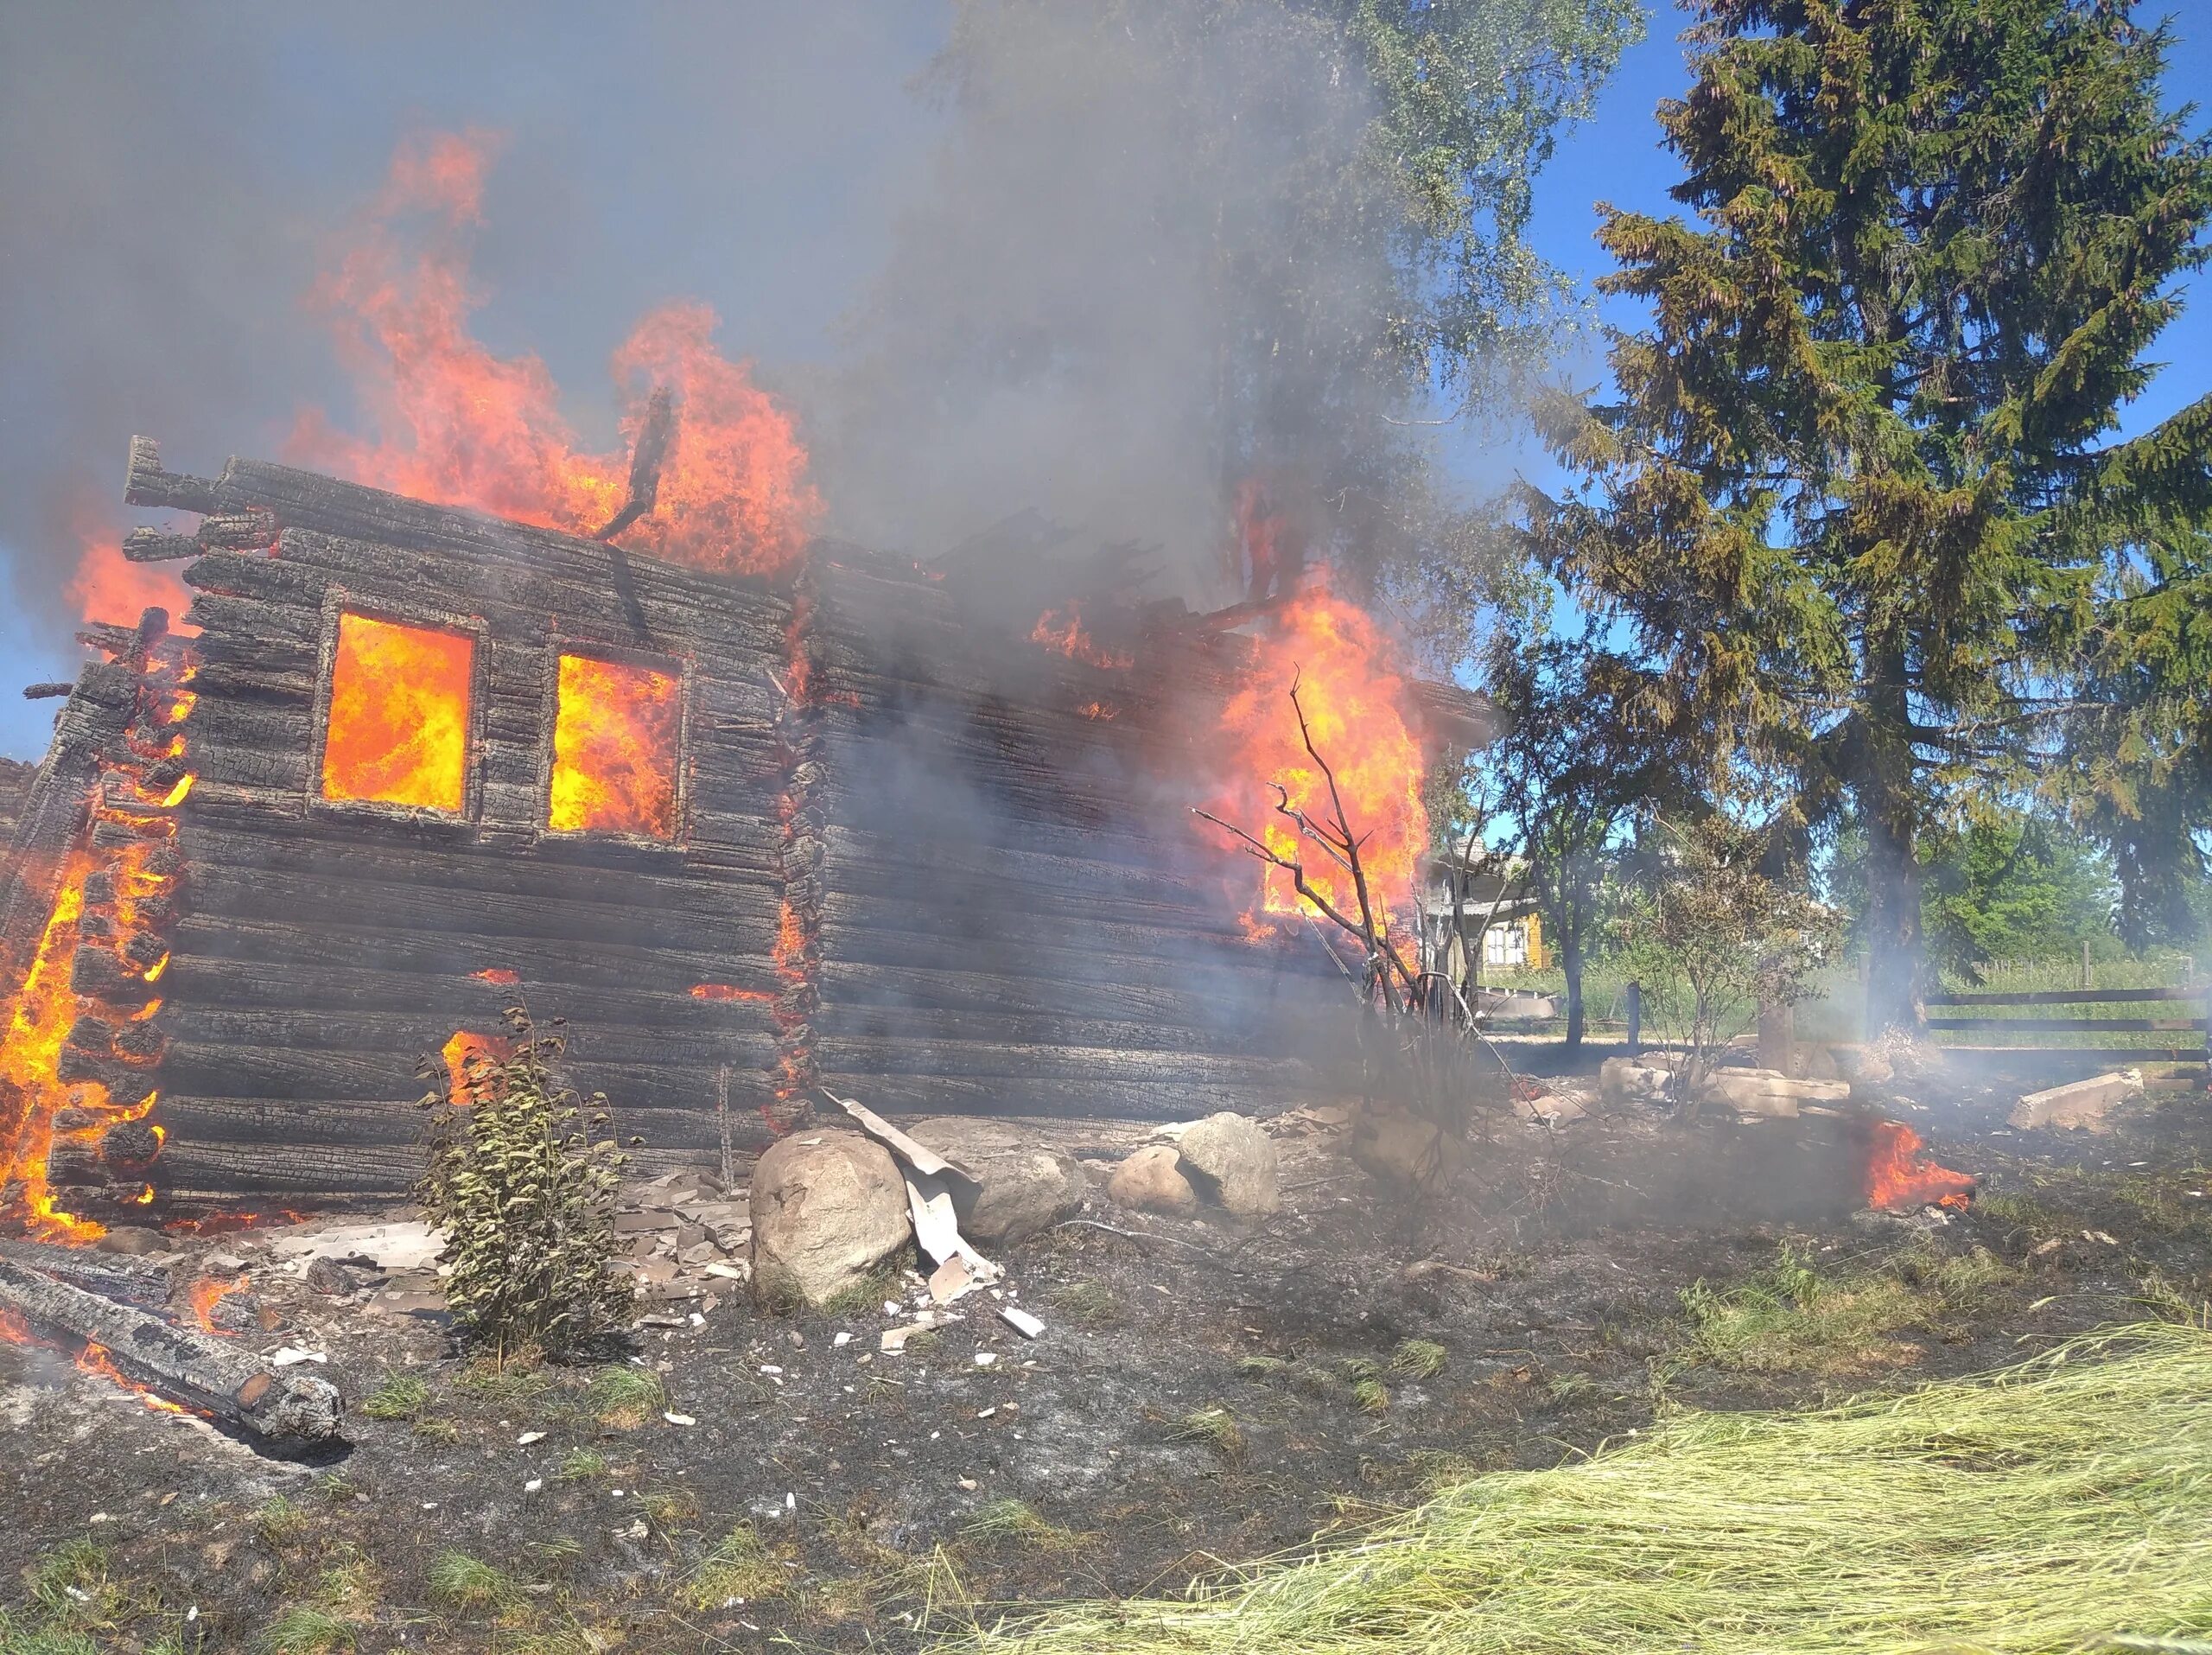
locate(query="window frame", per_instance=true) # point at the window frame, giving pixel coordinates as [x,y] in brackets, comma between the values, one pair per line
[340,600]
[684,669]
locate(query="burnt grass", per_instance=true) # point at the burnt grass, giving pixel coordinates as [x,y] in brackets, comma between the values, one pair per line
[1228,1393]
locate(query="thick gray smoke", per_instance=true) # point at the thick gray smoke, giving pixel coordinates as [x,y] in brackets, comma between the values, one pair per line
[1068,256]
[1123,287]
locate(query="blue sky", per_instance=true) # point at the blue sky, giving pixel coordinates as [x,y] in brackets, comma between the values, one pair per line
[156,239]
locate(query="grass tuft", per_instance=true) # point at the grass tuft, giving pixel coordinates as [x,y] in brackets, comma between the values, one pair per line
[399,1396]
[2057,1505]
[738,1569]
[1370,1395]
[460,1582]
[1216,1427]
[1014,1519]
[1088,1302]
[1417,1358]
[307,1629]
[625,1397]
[280,1524]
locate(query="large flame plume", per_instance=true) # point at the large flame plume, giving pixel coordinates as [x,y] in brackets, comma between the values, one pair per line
[1348,682]
[457,424]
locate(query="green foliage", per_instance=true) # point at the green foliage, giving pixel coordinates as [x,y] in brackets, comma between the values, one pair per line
[71,1583]
[526,1198]
[280,1524]
[1790,1318]
[1857,514]
[1713,936]
[1014,1519]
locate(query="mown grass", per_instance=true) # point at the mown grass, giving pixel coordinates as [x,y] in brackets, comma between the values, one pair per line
[2046,1508]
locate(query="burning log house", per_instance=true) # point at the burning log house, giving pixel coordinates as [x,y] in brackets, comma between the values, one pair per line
[749,837]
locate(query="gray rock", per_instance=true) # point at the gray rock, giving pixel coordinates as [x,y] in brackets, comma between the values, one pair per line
[1026,1187]
[1393,1144]
[1152,1179]
[1229,1158]
[827,1209]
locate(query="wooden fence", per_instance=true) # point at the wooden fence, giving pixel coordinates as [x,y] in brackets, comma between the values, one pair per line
[2192,1044]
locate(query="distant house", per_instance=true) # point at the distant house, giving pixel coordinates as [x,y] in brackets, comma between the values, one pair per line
[1496,915]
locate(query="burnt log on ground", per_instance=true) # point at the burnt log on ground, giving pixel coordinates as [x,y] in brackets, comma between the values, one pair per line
[215,1375]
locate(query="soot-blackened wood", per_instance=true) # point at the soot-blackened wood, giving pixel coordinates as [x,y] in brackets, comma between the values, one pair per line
[911,858]
[389,1124]
[892,934]
[542,963]
[656,605]
[910,899]
[978,1059]
[1065,1099]
[859,985]
[1074,1024]
[226,1379]
[370,1034]
[53,817]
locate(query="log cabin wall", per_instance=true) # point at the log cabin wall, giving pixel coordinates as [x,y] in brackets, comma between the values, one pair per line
[327,948]
[1017,915]
[914,859]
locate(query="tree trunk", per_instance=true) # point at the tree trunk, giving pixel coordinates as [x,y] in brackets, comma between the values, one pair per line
[1884,793]
[1570,962]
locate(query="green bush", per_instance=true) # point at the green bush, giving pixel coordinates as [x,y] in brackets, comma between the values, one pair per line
[525,1197]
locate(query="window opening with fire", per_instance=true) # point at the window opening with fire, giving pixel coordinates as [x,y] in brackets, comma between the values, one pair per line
[617,727]
[398,730]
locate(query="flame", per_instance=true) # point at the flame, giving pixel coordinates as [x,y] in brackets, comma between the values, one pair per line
[729,991]
[107,586]
[499,974]
[615,740]
[39,1020]
[94,1359]
[398,727]
[1099,709]
[1347,681]
[1063,630]
[14,1330]
[469,1058]
[456,423]
[209,1291]
[1900,1179]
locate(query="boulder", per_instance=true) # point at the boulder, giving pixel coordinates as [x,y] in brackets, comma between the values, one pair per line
[1393,1144]
[1231,1162]
[1623,1080]
[1768,1091]
[827,1209]
[1026,1187]
[1152,1179]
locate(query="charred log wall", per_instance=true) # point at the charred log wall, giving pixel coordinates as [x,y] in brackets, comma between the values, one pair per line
[1016,917]
[907,871]
[328,950]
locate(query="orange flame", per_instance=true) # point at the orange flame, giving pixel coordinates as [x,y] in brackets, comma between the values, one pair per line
[107,586]
[14,1330]
[729,991]
[94,1359]
[398,727]
[1347,681]
[1099,709]
[1900,1179]
[468,1057]
[209,1291]
[1063,630]
[458,424]
[615,740]
[497,974]
[39,1020]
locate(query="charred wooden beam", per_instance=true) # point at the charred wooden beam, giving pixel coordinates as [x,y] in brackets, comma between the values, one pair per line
[48,692]
[228,1382]
[646,461]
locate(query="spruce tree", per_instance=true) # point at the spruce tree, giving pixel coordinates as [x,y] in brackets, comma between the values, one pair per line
[1859,504]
